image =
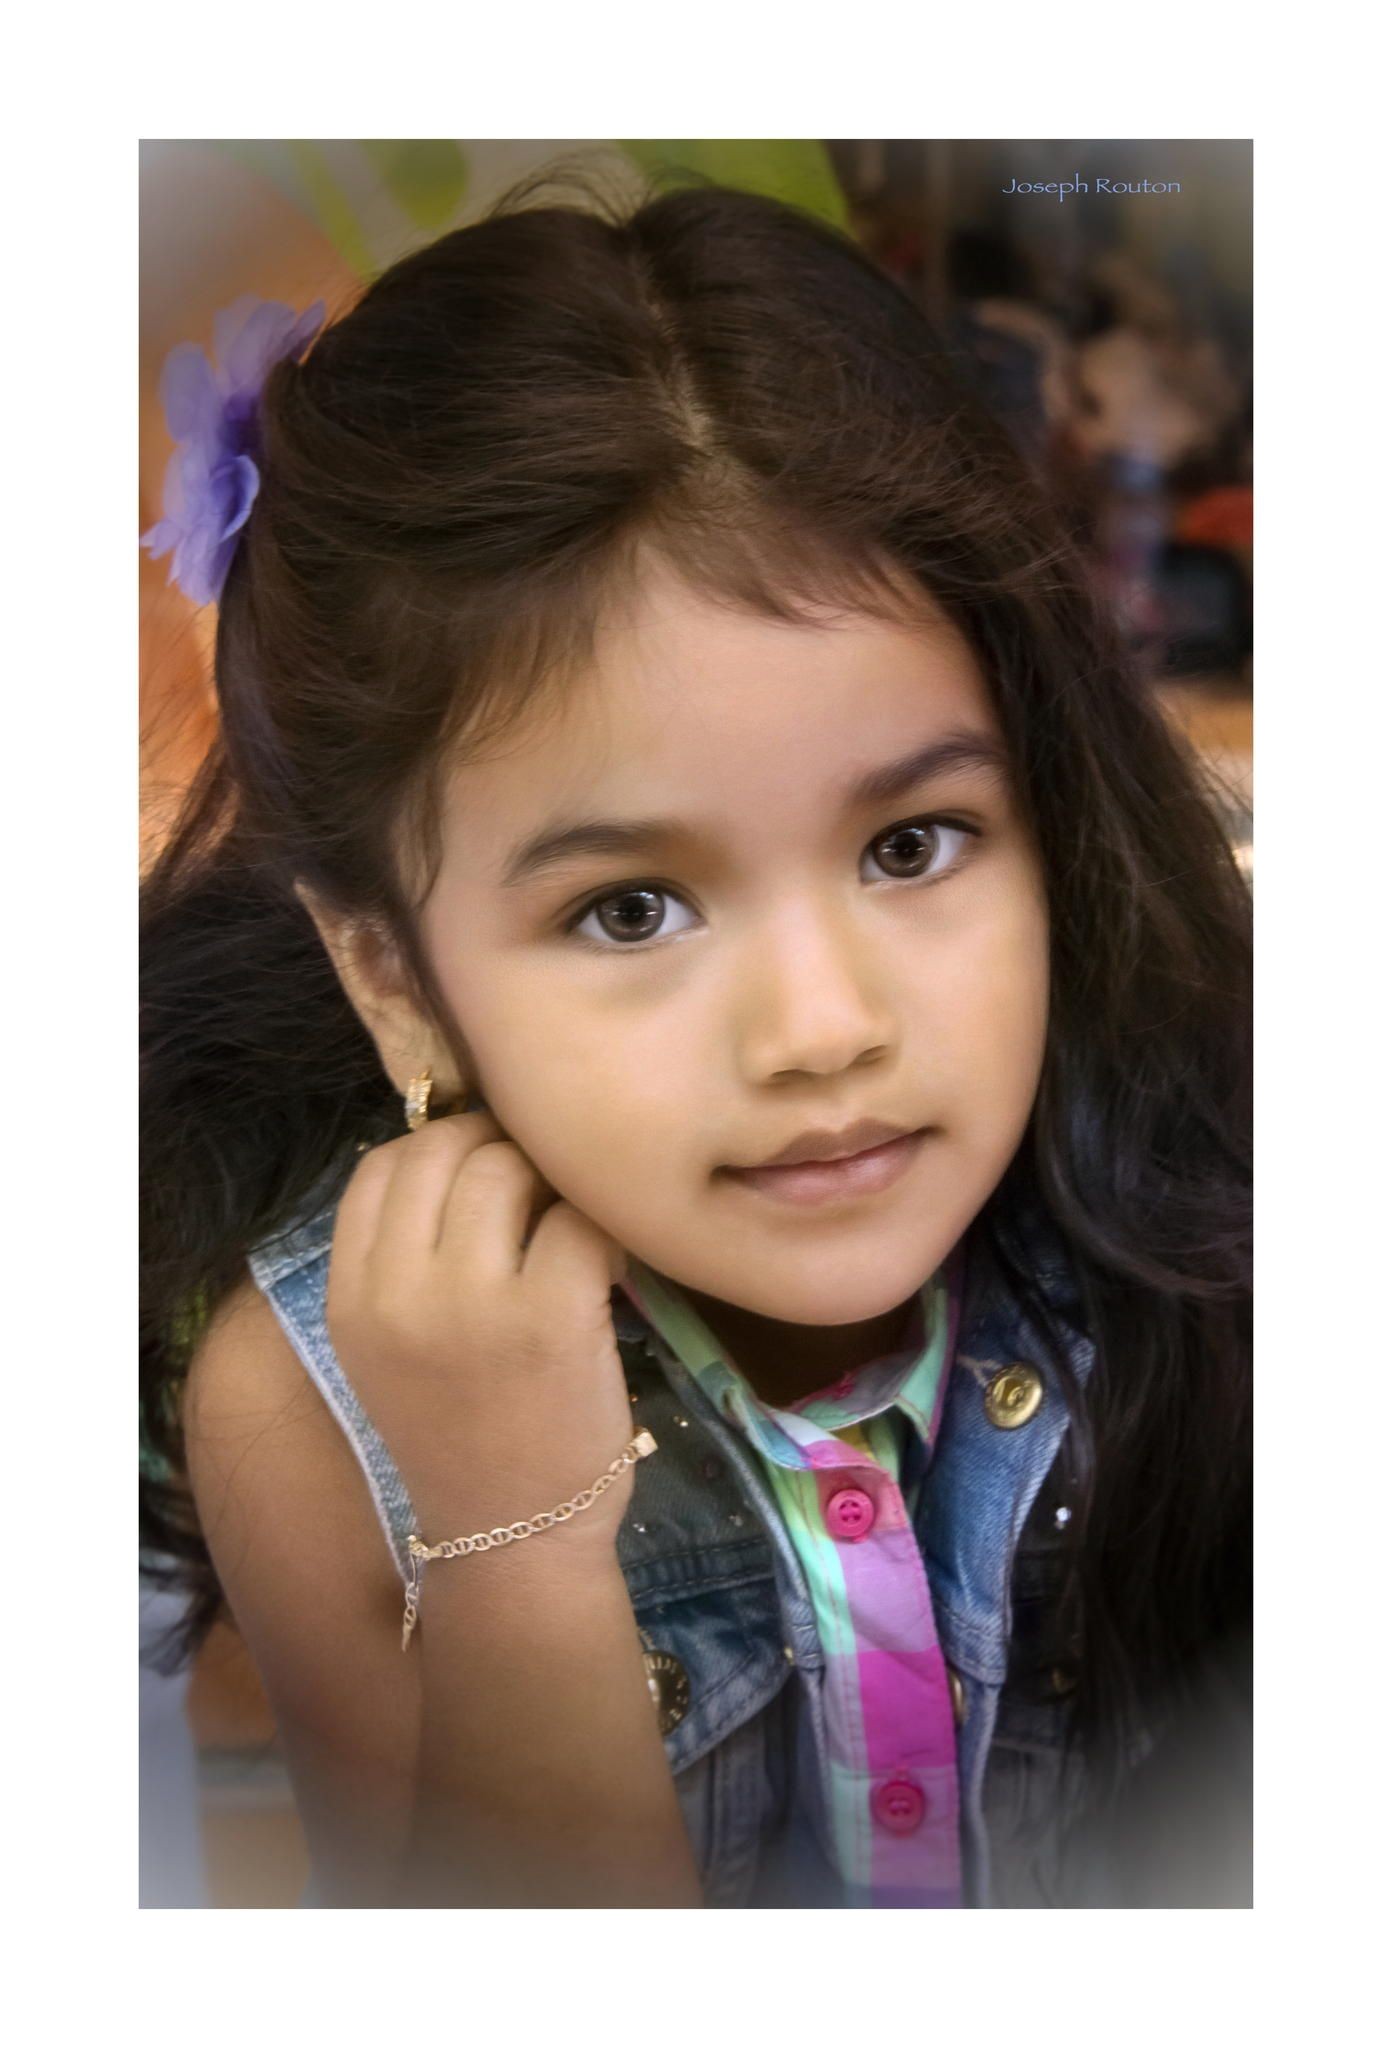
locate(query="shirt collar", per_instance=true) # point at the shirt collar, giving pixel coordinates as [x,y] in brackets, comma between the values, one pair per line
[911,1378]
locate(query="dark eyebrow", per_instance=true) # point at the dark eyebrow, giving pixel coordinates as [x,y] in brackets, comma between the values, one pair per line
[553,846]
[552,849]
[955,750]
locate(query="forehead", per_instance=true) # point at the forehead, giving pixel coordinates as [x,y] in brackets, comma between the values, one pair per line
[686,700]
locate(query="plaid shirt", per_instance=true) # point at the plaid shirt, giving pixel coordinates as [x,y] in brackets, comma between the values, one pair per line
[838,1464]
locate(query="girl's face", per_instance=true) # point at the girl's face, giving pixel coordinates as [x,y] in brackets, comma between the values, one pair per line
[679,930]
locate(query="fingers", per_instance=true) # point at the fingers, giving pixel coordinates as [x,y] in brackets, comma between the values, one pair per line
[396,1196]
[460,1195]
[570,1258]
[490,1208]
[359,1208]
[427,1164]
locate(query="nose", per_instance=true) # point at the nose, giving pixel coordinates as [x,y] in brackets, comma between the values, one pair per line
[812,998]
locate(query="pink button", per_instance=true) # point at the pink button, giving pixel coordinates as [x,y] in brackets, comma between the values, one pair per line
[850,1514]
[898,1805]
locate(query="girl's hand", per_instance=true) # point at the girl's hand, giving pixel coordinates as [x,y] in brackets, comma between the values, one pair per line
[485,1359]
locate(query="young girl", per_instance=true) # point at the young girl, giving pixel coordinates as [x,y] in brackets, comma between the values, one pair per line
[696,1036]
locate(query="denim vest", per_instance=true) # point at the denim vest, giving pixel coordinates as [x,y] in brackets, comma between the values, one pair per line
[715,1582]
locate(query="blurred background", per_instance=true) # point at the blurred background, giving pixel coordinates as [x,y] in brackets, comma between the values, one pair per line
[1109,326]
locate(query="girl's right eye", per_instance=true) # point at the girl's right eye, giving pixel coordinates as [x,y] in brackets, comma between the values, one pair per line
[625,917]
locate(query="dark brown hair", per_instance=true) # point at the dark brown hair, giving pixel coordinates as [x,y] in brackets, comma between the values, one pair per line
[453,481]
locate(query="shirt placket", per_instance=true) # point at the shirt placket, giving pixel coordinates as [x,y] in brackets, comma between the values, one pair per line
[893,1802]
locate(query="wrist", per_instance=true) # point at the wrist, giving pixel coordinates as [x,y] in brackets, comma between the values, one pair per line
[491,1507]
[568,1548]
[510,1597]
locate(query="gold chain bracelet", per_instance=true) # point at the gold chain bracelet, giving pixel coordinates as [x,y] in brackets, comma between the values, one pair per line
[642,1446]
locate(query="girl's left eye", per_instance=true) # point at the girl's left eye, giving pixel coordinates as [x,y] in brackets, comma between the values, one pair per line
[922,848]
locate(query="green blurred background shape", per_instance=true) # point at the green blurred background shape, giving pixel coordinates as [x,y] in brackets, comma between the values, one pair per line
[377,200]
[799,173]
[428,180]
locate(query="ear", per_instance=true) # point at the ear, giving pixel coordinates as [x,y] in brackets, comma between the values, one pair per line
[369,967]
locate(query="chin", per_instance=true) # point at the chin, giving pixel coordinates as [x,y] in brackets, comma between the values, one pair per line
[827,1292]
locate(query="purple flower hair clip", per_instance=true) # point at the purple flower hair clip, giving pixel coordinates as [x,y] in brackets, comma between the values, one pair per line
[212,478]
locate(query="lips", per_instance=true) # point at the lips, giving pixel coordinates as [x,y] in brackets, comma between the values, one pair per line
[843,1144]
[815,1181]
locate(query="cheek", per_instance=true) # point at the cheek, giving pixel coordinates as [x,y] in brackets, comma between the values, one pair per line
[1013,1020]
[991,1003]
[595,1119]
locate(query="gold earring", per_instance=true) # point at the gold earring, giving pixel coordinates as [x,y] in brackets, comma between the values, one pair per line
[418,1100]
